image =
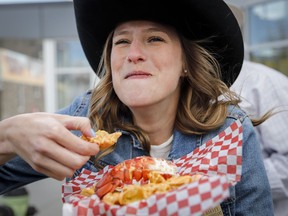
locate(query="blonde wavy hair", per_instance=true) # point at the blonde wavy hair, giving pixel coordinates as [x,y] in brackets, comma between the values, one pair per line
[200,108]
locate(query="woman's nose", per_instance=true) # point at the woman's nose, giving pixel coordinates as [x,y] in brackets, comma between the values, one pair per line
[136,52]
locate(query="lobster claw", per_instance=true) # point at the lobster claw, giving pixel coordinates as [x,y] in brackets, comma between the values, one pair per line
[107,184]
[107,188]
[104,180]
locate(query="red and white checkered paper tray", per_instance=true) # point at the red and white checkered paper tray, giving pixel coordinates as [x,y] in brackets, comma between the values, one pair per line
[220,160]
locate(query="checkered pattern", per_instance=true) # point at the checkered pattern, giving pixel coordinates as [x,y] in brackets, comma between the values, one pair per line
[220,160]
[84,180]
[220,155]
[194,198]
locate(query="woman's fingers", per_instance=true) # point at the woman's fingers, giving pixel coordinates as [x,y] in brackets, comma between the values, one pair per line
[68,140]
[61,155]
[52,159]
[77,123]
[53,168]
[47,144]
[57,128]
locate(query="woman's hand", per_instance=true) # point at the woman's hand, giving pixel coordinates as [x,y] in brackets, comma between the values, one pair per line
[45,142]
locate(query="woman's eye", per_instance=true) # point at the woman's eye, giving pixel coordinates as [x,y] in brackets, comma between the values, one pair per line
[122,41]
[155,39]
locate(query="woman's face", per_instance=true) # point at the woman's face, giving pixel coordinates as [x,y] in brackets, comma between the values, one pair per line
[146,63]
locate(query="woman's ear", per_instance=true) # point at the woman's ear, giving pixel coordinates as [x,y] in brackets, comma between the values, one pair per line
[184,74]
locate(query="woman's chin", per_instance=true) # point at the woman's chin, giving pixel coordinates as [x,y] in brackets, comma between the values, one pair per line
[138,102]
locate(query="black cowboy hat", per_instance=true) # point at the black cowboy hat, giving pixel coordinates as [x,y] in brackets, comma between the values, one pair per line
[195,19]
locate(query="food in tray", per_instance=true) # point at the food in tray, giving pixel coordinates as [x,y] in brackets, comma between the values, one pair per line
[103,138]
[137,179]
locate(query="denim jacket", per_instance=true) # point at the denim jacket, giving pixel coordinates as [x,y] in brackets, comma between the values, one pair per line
[250,196]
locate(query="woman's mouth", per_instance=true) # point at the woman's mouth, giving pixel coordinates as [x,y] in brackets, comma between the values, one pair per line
[137,75]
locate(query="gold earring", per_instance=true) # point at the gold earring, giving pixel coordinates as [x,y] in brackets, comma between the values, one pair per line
[185,71]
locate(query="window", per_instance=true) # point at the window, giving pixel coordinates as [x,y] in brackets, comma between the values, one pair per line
[73,73]
[268,34]
[272,57]
[268,22]
[70,54]
[21,77]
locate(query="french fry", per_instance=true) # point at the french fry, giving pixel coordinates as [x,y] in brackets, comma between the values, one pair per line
[112,198]
[131,193]
[87,191]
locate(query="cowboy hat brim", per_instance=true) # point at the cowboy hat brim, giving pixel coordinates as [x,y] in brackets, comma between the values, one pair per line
[195,19]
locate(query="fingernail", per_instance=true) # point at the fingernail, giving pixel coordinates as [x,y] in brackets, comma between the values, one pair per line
[93,133]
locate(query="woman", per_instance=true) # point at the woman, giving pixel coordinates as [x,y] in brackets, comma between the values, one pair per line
[164,84]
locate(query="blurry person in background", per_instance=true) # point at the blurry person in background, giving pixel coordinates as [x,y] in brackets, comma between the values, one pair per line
[263,88]
[16,203]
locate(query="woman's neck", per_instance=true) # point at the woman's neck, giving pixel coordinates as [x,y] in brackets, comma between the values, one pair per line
[158,125]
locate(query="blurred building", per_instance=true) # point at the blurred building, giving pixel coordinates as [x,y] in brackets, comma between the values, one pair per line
[266,31]
[41,60]
[42,66]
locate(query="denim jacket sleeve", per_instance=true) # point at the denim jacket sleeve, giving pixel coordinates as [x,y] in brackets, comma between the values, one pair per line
[252,195]
[16,172]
